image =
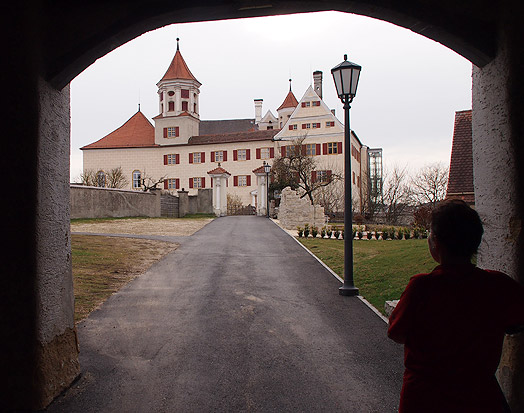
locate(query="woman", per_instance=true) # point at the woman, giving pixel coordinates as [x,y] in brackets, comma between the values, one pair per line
[452,322]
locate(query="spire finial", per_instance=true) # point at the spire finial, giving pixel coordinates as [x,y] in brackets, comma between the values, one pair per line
[177,43]
[290,85]
[345,57]
[139,107]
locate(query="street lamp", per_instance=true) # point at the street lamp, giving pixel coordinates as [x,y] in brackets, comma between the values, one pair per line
[346,76]
[267,170]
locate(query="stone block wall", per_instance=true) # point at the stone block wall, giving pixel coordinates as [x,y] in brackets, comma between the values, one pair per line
[169,206]
[296,212]
[93,202]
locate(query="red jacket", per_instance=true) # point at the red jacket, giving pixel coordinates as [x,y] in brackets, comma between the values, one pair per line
[452,323]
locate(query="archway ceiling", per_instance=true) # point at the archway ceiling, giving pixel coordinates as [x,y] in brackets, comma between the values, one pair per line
[77,33]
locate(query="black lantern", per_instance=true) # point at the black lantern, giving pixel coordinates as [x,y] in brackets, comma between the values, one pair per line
[267,170]
[346,76]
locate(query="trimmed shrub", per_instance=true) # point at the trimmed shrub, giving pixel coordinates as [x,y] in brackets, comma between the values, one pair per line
[300,231]
[314,232]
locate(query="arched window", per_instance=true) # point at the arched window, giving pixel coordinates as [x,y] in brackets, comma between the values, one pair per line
[101,179]
[137,179]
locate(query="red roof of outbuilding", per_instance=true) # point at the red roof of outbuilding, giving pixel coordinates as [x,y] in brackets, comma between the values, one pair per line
[460,183]
[259,170]
[218,171]
[136,132]
[289,102]
[178,69]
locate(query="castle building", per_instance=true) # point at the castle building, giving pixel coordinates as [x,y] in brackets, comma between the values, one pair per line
[185,150]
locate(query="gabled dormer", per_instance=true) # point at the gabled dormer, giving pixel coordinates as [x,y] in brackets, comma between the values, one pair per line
[178,92]
[269,121]
[311,118]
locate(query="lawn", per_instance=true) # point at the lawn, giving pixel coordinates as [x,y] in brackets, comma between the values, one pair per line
[102,265]
[382,269]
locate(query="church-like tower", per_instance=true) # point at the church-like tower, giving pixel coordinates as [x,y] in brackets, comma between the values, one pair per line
[178,92]
[286,108]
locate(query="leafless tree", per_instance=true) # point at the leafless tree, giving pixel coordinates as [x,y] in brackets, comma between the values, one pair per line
[88,177]
[429,184]
[298,170]
[115,178]
[397,193]
[149,183]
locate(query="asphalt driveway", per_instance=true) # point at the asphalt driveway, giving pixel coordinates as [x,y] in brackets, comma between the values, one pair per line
[238,318]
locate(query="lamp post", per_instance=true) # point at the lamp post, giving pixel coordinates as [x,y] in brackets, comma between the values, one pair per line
[346,76]
[267,170]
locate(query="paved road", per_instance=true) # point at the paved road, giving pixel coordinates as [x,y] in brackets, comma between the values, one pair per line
[239,318]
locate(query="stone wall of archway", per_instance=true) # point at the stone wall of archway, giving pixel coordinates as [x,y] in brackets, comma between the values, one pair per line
[55,41]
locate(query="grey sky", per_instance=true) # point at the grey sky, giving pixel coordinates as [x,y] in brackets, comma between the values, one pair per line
[409,90]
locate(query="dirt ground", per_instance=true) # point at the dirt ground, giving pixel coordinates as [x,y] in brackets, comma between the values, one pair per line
[140,226]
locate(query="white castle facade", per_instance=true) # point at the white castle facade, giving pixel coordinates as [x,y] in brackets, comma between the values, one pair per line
[187,151]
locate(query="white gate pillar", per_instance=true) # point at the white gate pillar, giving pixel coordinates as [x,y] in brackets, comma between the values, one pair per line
[262,183]
[219,178]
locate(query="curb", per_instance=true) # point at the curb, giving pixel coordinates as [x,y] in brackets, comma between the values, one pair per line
[366,302]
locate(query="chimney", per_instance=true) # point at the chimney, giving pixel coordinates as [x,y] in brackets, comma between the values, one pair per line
[258,110]
[317,82]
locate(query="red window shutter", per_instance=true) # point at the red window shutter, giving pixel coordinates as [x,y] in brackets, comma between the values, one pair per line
[177,158]
[165,159]
[165,132]
[318,125]
[202,157]
[177,183]
[283,151]
[258,153]
[203,180]
[212,156]
[248,154]
[190,158]
[177,131]
[166,184]
[339,147]
[211,182]
[324,149]
[235,180]
[235,155]
[303,104]
[191,182]
[290,127]
[303,126]
[271,152]
[353,177]
[328,176]
[225,156]
[314,176]
[248,180]
[171,106]
[303,150]
[317,149]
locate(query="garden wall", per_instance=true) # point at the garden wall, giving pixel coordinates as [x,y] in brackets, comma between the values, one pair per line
[93,202]
[296,212]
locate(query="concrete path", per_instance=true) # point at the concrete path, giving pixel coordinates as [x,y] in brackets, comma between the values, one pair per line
[238,318]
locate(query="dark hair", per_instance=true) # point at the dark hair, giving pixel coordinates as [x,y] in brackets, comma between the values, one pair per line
[457,227]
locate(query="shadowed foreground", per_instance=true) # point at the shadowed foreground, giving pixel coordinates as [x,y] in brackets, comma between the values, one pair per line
[239,318]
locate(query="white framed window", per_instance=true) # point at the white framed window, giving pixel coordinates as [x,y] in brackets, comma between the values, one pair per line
[197,182]
[137,177]
[311,149]
[101,179]
[330,124]
[172,131]
[241,155]
[171,159]
[264,153]
[196,157]
[242,180]
[322,176]
[332,148]
[295,127]
[171,183]
[219,156]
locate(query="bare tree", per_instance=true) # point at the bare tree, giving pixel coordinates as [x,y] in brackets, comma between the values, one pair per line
[298,169]
[149,183]
[397,194]
[115,178]
[429,184]
[88,177]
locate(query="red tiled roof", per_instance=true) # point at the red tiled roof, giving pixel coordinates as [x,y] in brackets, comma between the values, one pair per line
[289,102]
[260,135]
[178,69]
[259,170]
[460,183]
[218,171]
[136,132]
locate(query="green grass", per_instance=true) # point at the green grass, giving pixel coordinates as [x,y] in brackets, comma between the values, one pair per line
[382,269]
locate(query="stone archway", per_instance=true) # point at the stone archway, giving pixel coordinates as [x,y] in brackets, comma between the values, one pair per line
[48,44]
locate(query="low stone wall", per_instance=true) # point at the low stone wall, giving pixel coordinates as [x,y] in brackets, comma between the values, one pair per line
[169,205]
[93,202]
[201,203]
[295,212]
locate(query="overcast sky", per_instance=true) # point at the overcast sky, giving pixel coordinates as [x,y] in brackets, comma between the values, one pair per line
[409,89]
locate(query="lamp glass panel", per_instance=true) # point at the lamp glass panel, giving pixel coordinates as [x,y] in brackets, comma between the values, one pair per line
[354,81]
[338,82]
[346,80]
